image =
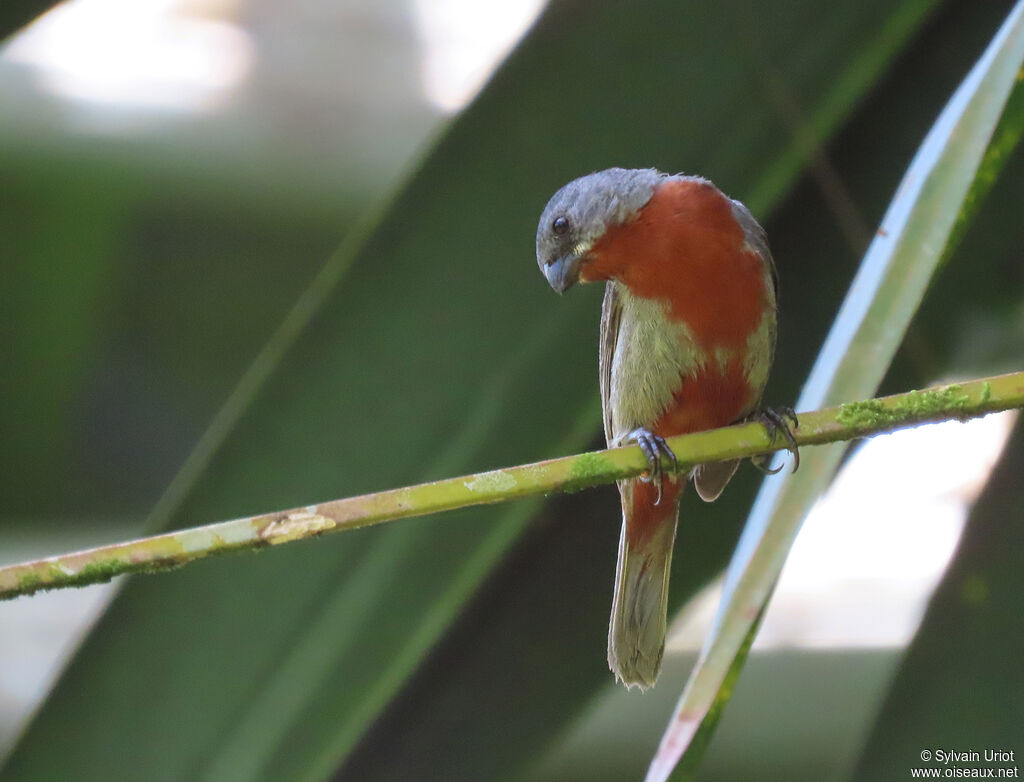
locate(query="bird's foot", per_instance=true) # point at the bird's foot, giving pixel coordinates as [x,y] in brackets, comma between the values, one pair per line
[655,449]
[777,421]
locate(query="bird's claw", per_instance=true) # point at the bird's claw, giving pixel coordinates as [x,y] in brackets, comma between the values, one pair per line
[777,420]
[655,449]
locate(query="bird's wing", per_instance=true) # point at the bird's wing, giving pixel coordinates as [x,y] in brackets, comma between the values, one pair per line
[611,312]
[756,238]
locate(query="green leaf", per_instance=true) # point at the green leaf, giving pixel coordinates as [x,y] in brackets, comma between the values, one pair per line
[18,13]
[58,311]
[432,349]
[541,619]
[868,330]
[958,687]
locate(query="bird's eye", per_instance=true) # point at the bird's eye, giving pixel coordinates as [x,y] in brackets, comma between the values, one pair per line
[560,225]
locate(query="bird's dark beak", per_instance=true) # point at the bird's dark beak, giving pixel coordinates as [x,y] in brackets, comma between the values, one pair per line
[562,273]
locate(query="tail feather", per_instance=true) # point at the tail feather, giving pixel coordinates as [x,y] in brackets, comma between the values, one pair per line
[711,479]
[636,635]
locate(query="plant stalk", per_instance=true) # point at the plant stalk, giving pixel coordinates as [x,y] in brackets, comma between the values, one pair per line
[569,473]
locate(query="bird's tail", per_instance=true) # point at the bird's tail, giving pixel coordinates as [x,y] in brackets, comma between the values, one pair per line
[636,636]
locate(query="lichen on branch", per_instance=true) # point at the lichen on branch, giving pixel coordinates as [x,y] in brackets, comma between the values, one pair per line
[569,473]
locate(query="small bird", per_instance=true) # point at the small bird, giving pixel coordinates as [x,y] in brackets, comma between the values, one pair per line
[687,340]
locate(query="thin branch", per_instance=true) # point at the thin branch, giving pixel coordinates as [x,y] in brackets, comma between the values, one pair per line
[569,473]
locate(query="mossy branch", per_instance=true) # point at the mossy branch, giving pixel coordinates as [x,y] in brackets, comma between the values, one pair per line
[569,473]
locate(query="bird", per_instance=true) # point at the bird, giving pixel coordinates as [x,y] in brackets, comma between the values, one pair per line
[687,340]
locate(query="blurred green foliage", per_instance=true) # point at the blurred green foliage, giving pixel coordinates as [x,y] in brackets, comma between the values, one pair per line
[960,684]
[17,13]
[459,647]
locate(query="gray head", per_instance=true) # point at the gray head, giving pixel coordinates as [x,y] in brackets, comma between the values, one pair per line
[579,214]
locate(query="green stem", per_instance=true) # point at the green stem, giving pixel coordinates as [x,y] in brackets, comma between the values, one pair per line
[569,473]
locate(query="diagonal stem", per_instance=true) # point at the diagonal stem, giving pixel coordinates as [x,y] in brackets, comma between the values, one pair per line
[568,473]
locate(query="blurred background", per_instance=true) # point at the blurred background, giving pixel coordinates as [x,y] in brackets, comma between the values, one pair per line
[178,177]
